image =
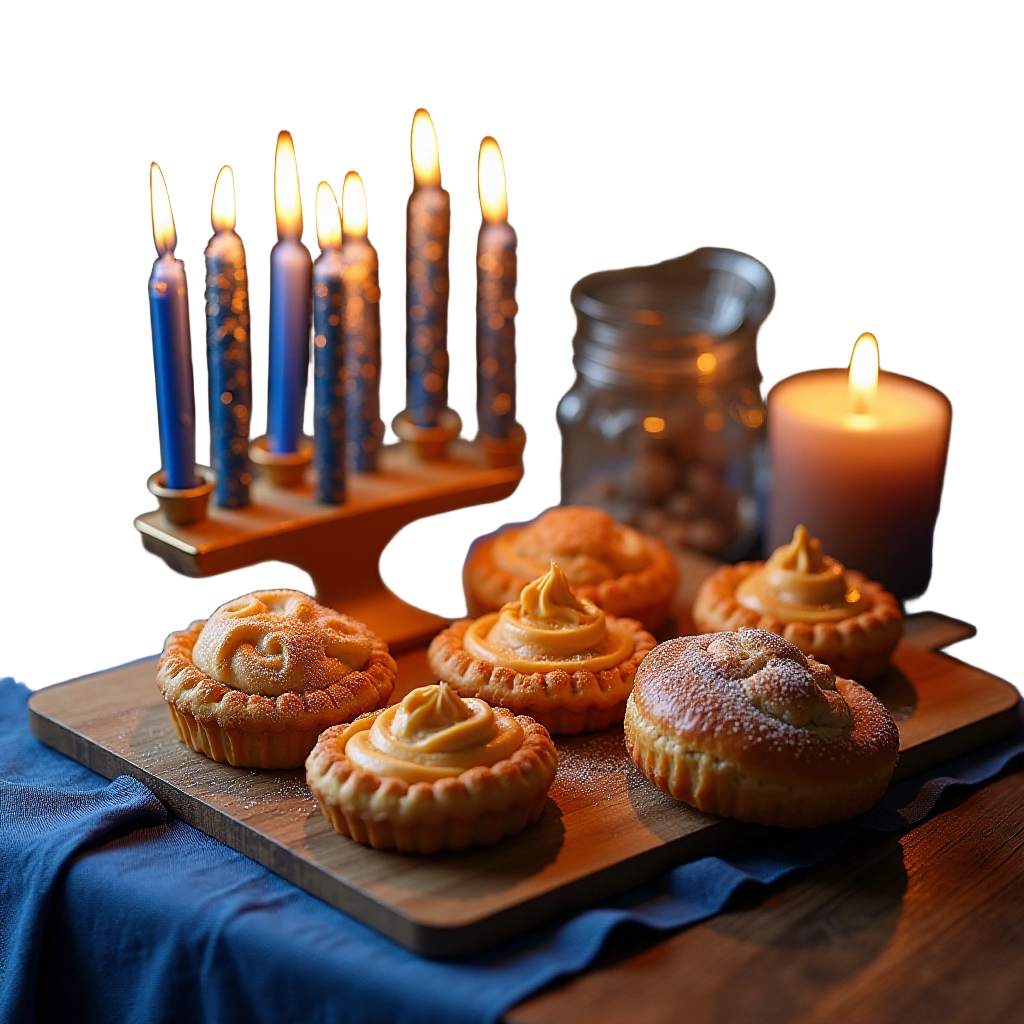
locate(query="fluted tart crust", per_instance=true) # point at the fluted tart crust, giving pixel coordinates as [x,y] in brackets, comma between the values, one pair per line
[286,669]
[477,805]
[551,654]
[624,572]
[851,623]
[563,702]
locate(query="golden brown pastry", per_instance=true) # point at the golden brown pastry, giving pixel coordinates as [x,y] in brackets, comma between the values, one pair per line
[839,616]
[258,681]
[551,654]
[620,570]
[743,724]
[435,772]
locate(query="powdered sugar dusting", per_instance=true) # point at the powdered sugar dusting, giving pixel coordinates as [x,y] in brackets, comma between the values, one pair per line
[751,698]
[274,641]
[593,767]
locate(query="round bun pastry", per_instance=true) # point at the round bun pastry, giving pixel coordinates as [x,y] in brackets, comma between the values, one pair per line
[550,654]
[838,616]
[622,571]
[435,772]
[258,681]
[743,724]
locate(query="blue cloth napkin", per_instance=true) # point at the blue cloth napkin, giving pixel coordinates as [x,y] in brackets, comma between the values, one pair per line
[112,911]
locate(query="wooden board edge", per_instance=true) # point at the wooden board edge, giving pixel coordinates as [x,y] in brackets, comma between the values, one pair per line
[447,943]
[428,940]
[469,936]
[931,753]
[232,833]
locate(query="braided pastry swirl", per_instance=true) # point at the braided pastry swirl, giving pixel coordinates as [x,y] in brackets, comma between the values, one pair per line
[258,681]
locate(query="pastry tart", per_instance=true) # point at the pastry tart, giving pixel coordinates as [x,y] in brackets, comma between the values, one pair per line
[258,681]
[743,724]
[617,568]
[551,654]
[434,772]
[837,615]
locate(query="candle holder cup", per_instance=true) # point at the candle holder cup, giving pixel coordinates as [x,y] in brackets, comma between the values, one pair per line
[185,505]
[429,443]
[283,469]
[504,451]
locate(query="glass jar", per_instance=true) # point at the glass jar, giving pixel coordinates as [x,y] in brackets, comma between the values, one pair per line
[664,426]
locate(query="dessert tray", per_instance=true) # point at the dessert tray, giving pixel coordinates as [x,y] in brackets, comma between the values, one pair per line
[604,829]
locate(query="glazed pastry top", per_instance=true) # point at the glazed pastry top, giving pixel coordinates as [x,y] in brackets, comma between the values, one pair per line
[799,583]
[586,542]
[434,734]
[548,628]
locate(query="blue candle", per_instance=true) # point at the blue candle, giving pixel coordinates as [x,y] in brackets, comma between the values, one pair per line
[291,273]
[495,300]
[428,225]
[361,323]
[172,345]
[228,355]
[328,352]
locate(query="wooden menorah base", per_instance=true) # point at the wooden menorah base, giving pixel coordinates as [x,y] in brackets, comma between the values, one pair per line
[339,545]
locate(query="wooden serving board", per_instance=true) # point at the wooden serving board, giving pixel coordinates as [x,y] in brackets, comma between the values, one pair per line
[605,829]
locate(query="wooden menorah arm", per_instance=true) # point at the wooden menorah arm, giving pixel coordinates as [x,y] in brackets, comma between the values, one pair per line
[338,545]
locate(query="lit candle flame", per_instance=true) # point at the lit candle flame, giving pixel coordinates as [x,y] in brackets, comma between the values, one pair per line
[426,165]
[328,223]
[353,206]
[164,235]
[491,182]
[287,203]
[222,212]
[864,375]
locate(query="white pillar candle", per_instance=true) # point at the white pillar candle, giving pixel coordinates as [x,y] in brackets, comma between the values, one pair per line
[859,456]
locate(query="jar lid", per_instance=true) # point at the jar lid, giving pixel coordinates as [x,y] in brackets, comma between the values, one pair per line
[651,325]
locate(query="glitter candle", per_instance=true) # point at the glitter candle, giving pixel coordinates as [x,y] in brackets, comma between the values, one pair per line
[328,352]
[228,356]
[361,325]
[495,300]
[426,332]
[172,345]
[291,272]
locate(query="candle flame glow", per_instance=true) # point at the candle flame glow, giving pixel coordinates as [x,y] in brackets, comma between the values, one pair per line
[426,165]
[164,235]
[222,212]
[328,222]
[491,182]
[353,206]
[864,375]
[287,202]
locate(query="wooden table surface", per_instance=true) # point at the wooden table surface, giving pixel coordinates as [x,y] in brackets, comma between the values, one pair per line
[928,926]
[925,927]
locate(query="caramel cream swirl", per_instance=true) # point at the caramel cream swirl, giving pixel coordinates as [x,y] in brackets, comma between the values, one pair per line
[547,629]
[799,583]
[434,734]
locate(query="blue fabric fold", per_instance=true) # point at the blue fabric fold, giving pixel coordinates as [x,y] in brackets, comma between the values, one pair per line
[42,830]
[162,923]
